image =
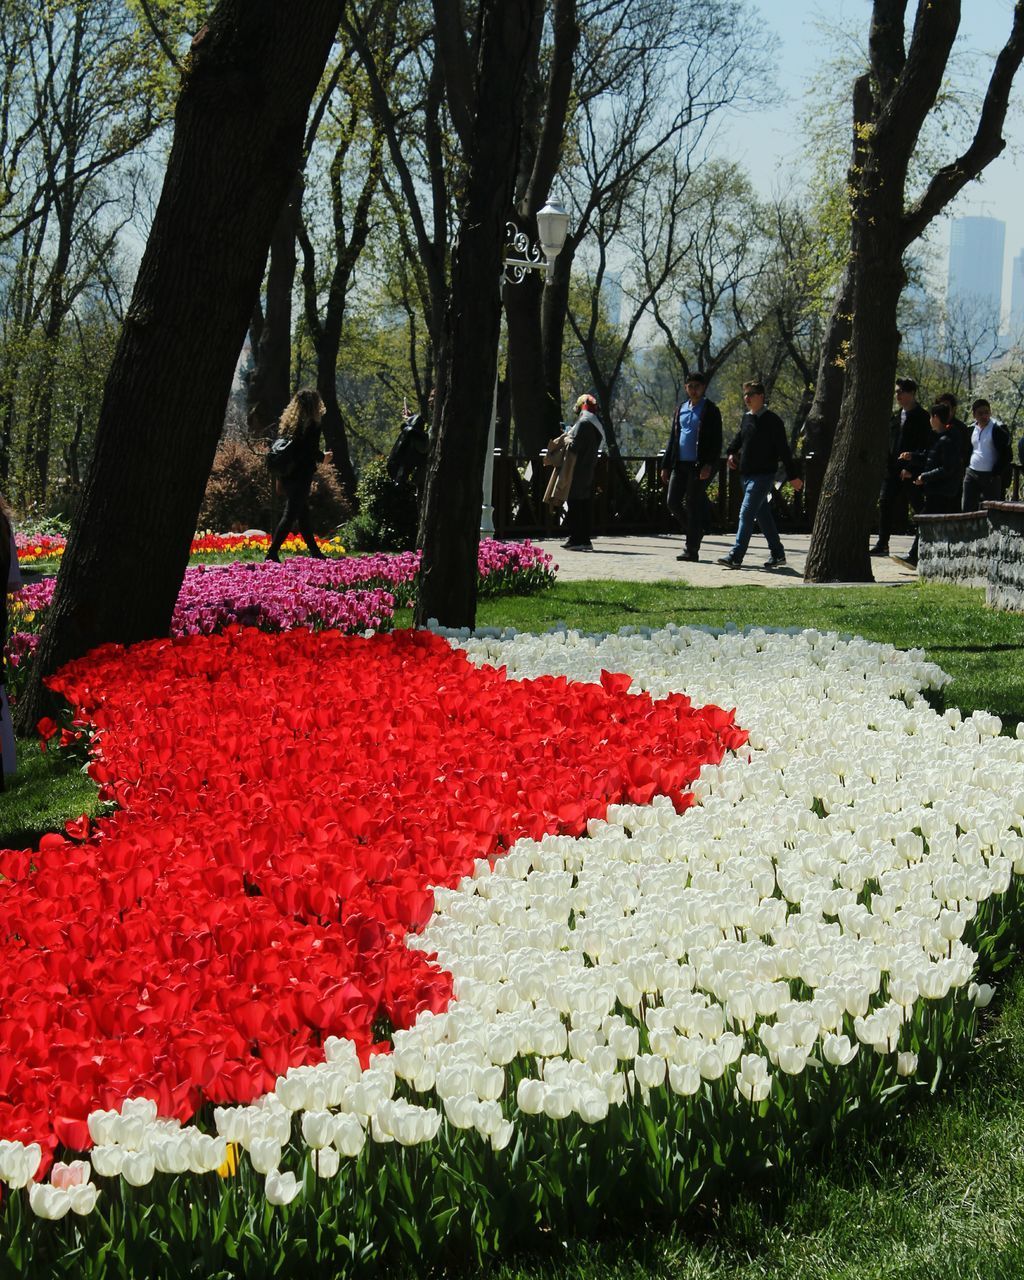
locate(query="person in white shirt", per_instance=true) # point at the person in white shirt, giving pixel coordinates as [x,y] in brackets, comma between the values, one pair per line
[990,459]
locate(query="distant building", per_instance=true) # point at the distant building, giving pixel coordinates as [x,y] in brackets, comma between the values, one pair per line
[976,247]
[1017,297]
[611,292]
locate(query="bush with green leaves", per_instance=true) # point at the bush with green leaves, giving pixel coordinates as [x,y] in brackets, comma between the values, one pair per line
[388,512]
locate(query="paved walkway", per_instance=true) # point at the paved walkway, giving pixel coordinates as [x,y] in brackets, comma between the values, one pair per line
[653,559]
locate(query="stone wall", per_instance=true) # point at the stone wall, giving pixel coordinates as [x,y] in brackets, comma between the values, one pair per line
[1005,586]
[977,548]
[954,548]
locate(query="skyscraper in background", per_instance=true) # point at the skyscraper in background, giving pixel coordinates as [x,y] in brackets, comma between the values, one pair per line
[1017,298]
[976,261]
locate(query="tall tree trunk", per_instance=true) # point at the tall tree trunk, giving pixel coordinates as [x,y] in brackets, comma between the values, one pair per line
[823,416]
[239,122]
[269,386]
[536,409]
[554,310]
[335,435]
[489,126]
[842,526]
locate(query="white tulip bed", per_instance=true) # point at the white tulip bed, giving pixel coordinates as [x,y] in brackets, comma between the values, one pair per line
[671,1000]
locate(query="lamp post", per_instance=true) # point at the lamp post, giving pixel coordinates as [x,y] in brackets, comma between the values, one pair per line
[552,228]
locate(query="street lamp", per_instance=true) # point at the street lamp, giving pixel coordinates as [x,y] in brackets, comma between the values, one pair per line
[552,227]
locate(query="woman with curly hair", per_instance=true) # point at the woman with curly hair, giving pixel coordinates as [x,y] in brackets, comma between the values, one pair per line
[300,423]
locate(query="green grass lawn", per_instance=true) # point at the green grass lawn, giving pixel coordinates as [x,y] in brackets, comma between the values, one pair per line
[940,1194]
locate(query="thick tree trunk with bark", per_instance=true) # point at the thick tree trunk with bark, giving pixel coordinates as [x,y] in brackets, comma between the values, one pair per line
[823,416]
[269,388]
[237,143]
[536,403]
[849,492]
[536,409]
[554,310]
[335,435]
[483,105]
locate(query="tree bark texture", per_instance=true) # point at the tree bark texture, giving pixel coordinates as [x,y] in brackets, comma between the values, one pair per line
[536,409]
[489,127]
[536,404]
[270,380]
[251,75]
[823,416]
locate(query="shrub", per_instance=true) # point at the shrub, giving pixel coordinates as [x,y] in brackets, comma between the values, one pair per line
[388,513]
[240,492]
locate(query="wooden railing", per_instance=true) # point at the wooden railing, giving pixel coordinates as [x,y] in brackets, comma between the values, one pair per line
[630,498]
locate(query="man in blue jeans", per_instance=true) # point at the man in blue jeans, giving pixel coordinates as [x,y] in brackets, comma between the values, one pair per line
[758,449]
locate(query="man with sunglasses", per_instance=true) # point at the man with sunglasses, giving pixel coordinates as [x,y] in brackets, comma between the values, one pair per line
[759,448]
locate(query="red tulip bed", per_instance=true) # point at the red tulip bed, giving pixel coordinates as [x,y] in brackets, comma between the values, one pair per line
[285,803]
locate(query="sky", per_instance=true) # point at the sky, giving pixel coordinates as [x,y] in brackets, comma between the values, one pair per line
[768,141]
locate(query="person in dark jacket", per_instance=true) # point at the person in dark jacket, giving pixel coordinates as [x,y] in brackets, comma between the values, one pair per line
[958,429]
[585,439]
[909,432]
[937,472]
[758,449]
[690,460]
[300,423]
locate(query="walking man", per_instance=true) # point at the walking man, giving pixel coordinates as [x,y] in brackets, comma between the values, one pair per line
[759,447]
[910,431]
[990,459]
[690,460]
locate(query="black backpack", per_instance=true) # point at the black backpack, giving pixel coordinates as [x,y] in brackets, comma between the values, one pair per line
[281,457]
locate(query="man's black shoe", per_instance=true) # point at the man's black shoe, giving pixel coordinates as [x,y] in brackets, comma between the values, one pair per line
[905,561]
[729,562]
[879,549]
[691,556]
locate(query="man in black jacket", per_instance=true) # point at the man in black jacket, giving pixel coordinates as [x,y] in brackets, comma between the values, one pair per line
[909,432]
[758,449]
[691,457]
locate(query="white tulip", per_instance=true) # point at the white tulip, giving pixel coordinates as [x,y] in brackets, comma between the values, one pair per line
[349,1135]
[47,1201]
[557,1103]
[981,994]
[683,1080]
[906,1063]
[838,1050]
[592,1105]
[281,1188]
[108,1161]
[530,1096]
[318,1129]
[650,1070]
[265,1154]
[138,1168]
[103,1127]
[792,1059]
[502,1136]
[326,1162]
[83,1198]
